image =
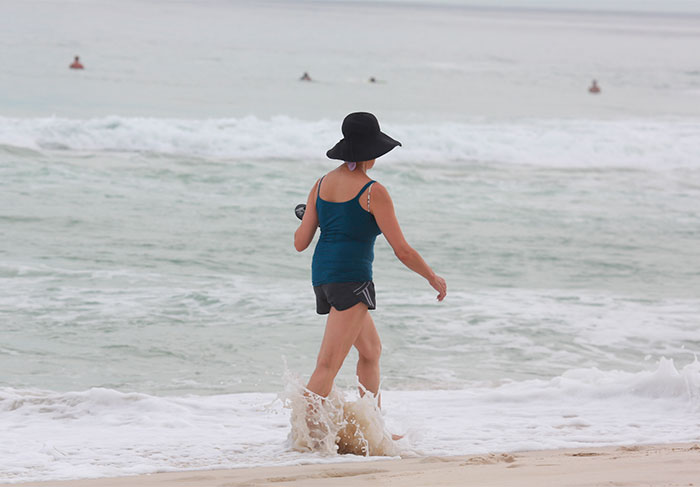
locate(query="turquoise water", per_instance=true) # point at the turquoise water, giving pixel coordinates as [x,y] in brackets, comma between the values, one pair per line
[161,273]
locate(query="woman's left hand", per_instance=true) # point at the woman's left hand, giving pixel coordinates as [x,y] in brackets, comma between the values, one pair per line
[439,285]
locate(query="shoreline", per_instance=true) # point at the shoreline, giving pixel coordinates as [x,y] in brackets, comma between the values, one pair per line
[657,464]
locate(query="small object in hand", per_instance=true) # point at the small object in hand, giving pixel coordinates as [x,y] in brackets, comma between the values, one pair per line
[299,211]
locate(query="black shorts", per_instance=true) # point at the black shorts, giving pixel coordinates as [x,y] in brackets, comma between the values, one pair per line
[343,295]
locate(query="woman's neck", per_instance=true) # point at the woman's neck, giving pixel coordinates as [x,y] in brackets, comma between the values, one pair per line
[359,168]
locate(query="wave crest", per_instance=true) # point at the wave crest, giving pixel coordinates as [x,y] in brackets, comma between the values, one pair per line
[558,143]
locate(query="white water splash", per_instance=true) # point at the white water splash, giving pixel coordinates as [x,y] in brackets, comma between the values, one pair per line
[335,424]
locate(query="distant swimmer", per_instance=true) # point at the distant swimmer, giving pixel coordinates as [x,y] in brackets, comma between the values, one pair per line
[594,87]
[372,79]
[76,64]
[305,77]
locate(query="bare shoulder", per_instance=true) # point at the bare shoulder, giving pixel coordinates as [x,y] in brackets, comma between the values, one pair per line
[311,199]
[380,192]
[378,187]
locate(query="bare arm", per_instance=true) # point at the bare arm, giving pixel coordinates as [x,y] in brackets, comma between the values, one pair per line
[382,207]
[307,229]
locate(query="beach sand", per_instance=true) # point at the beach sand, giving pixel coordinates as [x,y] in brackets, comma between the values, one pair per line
[650,465]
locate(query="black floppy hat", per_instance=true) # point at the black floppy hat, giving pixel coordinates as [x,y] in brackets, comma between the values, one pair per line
[362,139]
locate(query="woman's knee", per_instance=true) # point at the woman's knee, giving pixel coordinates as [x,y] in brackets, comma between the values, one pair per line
[371,352]
[329,363]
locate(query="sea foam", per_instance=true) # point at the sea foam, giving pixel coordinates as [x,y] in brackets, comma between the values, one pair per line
[102,432]
[659,144]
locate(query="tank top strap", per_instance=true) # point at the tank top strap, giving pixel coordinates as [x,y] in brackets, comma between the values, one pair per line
[318,188]
[364,188]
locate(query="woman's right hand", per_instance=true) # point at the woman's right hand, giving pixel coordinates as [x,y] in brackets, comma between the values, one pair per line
[439,285]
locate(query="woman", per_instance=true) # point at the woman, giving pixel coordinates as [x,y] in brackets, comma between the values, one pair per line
[352,210]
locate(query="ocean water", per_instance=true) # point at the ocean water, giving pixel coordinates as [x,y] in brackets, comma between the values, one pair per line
[154,315]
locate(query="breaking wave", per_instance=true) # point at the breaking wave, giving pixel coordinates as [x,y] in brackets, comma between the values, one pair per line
[559,143]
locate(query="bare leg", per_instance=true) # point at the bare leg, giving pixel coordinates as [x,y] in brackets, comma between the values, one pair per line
[369,347]
[342,329]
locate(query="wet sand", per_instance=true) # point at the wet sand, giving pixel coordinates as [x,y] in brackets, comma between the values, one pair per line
[649,465]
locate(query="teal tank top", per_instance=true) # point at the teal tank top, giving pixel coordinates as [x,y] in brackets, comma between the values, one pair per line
[345,250]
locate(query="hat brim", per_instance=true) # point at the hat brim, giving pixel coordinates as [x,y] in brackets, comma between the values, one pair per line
[359,151]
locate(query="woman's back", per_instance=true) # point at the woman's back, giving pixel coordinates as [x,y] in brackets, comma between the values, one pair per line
[339,186]
[345,250]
